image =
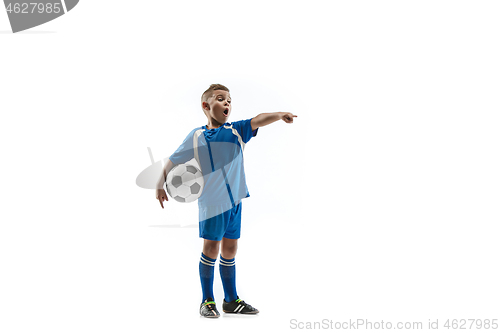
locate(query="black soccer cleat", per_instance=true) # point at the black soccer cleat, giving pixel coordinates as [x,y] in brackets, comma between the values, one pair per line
[238,306]
[208,309]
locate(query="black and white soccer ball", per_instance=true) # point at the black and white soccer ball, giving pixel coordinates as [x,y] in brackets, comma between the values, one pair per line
[184,183]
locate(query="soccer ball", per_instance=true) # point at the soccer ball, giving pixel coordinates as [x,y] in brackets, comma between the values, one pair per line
[184,183]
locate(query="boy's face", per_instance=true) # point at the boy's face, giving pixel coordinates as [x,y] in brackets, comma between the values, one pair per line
[218,107]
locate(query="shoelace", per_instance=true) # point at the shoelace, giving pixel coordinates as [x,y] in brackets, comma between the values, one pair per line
[210,305]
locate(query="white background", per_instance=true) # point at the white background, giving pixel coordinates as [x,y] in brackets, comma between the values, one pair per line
[380,202]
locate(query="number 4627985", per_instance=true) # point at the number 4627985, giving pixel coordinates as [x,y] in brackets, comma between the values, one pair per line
[34,7]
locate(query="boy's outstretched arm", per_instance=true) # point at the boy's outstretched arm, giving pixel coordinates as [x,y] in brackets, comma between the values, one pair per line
[264,119]
[160,192]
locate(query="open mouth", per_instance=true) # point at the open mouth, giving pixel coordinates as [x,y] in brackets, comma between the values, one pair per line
[226,112]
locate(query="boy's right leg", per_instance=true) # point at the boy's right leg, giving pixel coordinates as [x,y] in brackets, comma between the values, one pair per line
[211,248]
[207,264]
[211,230]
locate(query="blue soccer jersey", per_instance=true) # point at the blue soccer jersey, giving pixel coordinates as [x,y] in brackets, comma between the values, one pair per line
[219,153]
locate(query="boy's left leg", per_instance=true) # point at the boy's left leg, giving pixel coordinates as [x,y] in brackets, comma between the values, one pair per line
[227,268]
[229,248]
[231,303]
[229,245]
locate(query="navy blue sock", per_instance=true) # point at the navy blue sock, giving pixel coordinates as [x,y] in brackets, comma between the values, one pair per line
[228,277]
[207,276]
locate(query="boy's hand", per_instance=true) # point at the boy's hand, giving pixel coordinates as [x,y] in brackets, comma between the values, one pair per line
[265,119]
[160,192]
[287,117]
[161,196]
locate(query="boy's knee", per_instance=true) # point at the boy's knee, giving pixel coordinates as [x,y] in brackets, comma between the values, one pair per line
[229,251]
[211,249]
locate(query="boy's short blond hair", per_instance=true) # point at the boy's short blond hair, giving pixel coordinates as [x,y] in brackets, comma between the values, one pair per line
[209,92]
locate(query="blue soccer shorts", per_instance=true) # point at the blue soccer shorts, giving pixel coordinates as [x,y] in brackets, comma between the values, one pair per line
[226,224]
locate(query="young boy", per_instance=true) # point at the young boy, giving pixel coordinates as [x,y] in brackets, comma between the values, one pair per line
[217,147]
